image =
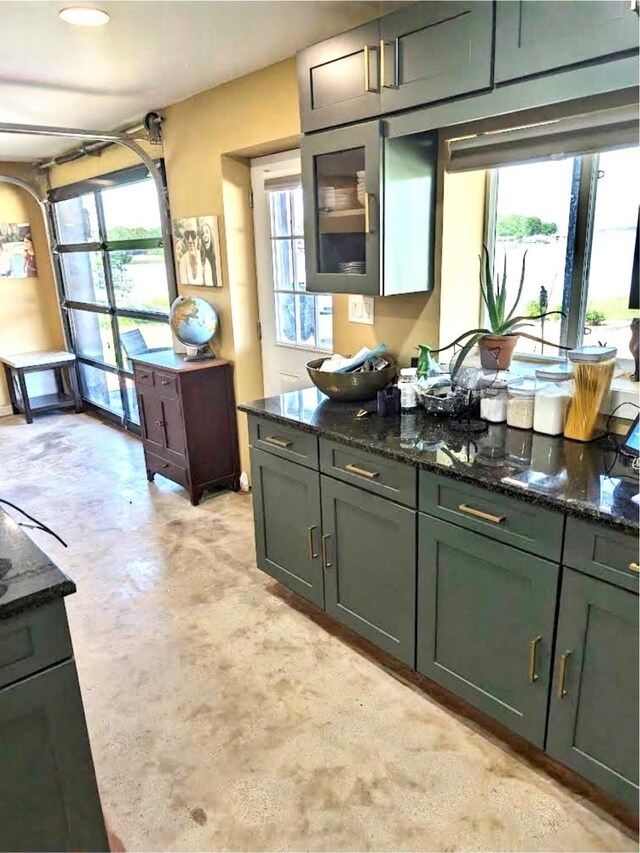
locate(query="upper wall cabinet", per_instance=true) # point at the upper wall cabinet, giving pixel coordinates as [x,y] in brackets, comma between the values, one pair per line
[338,79]
[432,51]
[534,37]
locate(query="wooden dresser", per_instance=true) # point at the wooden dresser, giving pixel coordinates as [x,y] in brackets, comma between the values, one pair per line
[188,420]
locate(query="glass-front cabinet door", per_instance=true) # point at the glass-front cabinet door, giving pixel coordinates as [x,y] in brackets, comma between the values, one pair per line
[341,182]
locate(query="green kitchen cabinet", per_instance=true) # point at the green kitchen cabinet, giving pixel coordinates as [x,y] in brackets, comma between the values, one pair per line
[48,796]
[369,554]
[286,510]
[537,38]
[593,719]
[485,623]
[435,51]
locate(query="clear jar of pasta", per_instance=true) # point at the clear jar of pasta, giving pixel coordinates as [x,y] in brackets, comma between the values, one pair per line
[593,368]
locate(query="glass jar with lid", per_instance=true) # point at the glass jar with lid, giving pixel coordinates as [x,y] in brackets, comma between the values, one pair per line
[493,399]
[593,368]
[553,395]
[520,404]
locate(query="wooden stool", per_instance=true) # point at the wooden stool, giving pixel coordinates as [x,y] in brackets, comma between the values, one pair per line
[16,366]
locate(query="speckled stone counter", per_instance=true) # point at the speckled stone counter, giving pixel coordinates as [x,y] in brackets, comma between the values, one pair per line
[28,578]
[583,480]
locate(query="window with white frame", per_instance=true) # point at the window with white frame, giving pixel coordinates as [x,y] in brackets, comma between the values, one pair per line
[302,319]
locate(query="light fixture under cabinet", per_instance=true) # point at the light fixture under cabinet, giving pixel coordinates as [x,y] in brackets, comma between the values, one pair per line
[83,16]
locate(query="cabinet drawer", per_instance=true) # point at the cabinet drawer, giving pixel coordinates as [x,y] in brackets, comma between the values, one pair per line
[523,525]
[157,465]
[602,552]
[166,384]
[386,477]
[288,442]
[144,378]
[32,641]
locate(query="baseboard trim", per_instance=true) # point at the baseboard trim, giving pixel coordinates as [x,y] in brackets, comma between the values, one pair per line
[5,410]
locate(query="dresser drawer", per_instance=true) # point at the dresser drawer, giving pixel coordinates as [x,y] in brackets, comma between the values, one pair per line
[33,640]
[157,465]
[602,552]
[144,377]
[288,442]
[166,384]
[385,477]
[518,523]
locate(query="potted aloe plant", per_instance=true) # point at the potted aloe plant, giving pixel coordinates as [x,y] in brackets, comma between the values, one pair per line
[497,342]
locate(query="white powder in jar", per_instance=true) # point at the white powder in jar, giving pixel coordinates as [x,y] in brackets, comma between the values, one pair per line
[494,409]
[520,411]
[550,410]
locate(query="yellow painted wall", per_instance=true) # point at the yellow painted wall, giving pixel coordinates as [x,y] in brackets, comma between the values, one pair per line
[29,313]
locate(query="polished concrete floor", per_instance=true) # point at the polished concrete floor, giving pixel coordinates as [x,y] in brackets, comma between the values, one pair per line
[221,717]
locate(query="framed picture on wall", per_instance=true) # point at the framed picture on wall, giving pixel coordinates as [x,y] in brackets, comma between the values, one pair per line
[197,248]
[17,258]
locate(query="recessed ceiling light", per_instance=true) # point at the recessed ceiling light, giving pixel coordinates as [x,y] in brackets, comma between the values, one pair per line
[83,16]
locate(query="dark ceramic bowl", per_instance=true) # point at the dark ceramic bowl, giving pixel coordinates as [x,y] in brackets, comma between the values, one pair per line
[350,387]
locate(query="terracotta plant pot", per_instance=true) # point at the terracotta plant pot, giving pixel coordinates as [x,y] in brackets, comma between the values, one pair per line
[497,351]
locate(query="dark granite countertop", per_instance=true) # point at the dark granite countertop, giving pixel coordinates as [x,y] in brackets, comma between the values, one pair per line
[583,480]
[28,578]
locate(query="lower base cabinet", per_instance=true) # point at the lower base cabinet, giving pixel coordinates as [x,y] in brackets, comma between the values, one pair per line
[370,566]
[485,624]
[593,720]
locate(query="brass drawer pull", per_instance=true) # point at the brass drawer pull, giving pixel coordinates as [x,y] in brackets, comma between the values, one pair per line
[634,567]
[143,375]
[563,674]
[325,558]
[533,647]
[310,551]
[353,469]
[165,382]
[278,442]
[367,71]
[478,513]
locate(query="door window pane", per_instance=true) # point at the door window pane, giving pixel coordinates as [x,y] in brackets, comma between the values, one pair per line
[325,321]
[340,178]
[131,211]
[77,220]
[534,204]
[283,268]
[140,279]
[101,387]
[132,399]
[607,315]
[83,277]
[286,318]
[306,319]
[93,335]
[141,336]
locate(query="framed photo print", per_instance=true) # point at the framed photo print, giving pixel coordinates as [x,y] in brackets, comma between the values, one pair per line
[17,258]
[197,248]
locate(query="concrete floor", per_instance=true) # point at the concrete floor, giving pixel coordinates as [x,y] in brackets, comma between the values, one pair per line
[222,718]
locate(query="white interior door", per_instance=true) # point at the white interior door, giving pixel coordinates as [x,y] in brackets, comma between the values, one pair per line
[296,326]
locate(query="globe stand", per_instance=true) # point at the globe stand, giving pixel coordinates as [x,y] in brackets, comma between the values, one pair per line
[198,353]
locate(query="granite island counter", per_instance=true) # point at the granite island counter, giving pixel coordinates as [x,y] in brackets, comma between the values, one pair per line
[501,565]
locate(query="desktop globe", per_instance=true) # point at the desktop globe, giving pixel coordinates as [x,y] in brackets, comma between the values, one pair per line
[194,322]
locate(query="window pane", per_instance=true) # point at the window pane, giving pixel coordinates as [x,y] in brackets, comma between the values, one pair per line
[286,318]
[532,214]
[298,212]
[306,320]
[280,206]
[142,336]
[300,276]
[93,335]
[83,277]
[614,233]
[131,211]
[101,387]
[77,220]
[140,279]
[325,321]
[283,269]
[132,399]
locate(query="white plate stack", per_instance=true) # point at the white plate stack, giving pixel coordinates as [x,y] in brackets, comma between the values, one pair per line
[352,268]
[361,186]
[345,198]
[326,198]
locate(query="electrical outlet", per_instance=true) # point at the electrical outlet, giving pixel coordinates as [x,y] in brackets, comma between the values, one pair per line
[361,310]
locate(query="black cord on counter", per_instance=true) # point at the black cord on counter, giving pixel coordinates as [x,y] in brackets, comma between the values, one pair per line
[39,524]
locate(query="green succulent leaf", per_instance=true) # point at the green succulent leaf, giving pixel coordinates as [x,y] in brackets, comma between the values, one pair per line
[460,357]
[479,332]
[522,274]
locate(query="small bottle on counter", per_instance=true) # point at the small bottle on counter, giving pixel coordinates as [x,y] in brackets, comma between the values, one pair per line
[553,396]
[407,385]
[520,405]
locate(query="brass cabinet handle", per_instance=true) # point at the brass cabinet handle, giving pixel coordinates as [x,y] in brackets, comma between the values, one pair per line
[634,567]
[367,70]
[160,423]
[478,513]
[310,552]
[533,646]
[271,439]
[164,382]
[383,64]
[367,213]
[353,469]
[563,674]
[143,375]
[325,558]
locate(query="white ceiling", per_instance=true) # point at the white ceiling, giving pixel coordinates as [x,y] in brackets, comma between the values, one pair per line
[150,55]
